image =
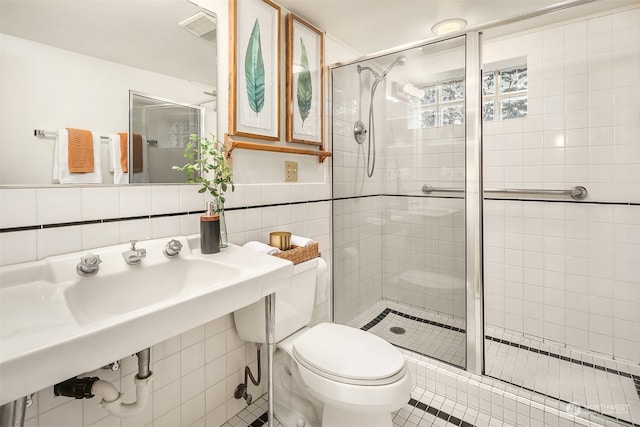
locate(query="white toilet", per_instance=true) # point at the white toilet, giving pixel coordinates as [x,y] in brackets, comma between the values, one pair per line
[329,375]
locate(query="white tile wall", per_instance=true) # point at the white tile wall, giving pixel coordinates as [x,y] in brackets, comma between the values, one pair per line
[423,253]
[349,176]
[552,269]
[358,248]
[582,123]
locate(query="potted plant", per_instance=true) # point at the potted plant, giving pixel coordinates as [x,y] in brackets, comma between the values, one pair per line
[206,166]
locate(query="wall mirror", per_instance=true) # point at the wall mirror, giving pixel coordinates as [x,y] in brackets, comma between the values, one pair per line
[73,63]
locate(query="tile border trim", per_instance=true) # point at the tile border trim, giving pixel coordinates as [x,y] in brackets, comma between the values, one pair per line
[134,218]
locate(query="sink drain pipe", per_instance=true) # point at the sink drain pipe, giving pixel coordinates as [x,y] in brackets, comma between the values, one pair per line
[111,398]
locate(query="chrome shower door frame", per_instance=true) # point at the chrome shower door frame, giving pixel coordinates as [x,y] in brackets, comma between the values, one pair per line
[473,204]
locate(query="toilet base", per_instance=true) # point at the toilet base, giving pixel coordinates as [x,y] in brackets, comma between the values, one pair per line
[335,417]
[293,405]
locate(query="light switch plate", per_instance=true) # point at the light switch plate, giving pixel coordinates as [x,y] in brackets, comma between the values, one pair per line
[290,171]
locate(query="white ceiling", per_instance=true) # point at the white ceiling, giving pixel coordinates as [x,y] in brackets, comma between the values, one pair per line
[375,25]
[141,33]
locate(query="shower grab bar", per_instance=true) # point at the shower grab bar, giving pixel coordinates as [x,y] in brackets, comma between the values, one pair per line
[577,193]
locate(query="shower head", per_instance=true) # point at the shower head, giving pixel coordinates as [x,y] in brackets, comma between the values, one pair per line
[400,60]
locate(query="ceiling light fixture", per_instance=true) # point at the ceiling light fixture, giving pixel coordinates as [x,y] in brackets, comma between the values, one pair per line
[449,26]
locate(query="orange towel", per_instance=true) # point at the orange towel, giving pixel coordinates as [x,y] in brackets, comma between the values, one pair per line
[137,153]
[124,151]
[80,151]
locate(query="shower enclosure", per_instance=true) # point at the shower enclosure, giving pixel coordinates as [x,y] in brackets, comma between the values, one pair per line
[399,252]
[486,210]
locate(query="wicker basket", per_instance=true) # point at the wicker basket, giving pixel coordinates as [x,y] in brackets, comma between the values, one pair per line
[298,254]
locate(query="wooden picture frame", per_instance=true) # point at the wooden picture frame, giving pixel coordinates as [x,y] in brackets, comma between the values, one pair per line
[305,82]
[254,80]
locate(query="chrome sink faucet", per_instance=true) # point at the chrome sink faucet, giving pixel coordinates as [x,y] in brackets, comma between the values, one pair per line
[88,265]
[134,256]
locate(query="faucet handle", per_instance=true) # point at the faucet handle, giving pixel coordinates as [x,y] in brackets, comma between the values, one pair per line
[90,259]
[172,249]
[133,244]
[88,265]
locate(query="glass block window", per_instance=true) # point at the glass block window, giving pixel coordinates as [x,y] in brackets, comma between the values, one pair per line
[504,97]
[439,104]
[427,119]
[453,115]
[504,94]
[488,111]
[452,91]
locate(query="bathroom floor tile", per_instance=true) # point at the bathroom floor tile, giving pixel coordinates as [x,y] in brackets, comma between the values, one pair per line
[254,415]
[422,410]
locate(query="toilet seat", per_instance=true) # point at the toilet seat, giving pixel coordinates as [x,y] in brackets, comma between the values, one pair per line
[348,355]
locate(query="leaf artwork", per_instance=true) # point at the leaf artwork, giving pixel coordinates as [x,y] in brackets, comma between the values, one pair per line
[254,70]
[305,91]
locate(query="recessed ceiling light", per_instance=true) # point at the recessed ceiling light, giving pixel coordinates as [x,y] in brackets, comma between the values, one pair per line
[449,26]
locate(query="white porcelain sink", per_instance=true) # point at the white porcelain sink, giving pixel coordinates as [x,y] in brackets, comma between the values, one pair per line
[56,324]
[101,297]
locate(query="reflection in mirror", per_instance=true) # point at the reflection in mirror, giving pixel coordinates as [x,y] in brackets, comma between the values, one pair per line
[160,132]
[71,64]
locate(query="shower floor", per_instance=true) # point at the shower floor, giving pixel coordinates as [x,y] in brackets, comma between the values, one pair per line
[436,336]
[582,381]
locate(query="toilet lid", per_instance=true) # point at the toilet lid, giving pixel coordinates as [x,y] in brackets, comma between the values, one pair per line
[348,355]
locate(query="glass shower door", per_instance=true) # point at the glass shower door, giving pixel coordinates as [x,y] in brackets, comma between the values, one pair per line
[562,292]
[399,206]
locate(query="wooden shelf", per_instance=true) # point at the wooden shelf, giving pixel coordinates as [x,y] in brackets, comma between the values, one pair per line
[231,145]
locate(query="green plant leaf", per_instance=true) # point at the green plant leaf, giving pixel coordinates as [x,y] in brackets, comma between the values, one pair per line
[254,70]
[305,89]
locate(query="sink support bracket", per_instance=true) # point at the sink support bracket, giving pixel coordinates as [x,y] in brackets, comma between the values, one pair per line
[270,310]
[12,413]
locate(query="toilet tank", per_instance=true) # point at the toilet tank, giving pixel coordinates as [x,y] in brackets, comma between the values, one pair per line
[293,307]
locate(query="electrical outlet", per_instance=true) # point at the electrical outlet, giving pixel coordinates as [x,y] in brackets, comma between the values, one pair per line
[290,171]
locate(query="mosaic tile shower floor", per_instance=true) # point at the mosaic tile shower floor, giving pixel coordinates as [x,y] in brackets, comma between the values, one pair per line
[602,385]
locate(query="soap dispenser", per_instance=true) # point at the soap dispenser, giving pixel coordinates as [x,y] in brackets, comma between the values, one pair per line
[210,231]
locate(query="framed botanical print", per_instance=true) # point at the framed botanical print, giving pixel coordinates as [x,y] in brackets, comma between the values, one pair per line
[254,81]
[304,97]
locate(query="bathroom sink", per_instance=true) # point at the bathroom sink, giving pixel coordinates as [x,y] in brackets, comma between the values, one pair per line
[56,324]
[102,297]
